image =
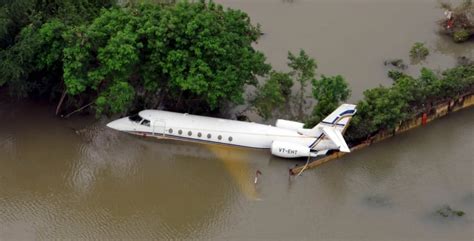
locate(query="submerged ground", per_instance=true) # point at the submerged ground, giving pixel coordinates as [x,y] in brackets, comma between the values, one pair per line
[76,180]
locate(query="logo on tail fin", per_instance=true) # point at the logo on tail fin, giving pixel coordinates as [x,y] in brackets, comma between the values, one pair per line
[333,126]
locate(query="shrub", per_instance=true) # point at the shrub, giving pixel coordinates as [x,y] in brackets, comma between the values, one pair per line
[461,35]
[419,51]
[395,74]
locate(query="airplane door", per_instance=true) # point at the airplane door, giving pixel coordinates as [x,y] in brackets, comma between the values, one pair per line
[159,128]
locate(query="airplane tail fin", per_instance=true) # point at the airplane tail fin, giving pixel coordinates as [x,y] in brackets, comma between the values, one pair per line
[332,127]
[336,123]
[339,119]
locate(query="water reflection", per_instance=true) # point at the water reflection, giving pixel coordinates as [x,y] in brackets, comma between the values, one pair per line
[102,151]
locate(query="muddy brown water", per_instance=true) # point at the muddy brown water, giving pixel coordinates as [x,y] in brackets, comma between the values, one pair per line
[77,180]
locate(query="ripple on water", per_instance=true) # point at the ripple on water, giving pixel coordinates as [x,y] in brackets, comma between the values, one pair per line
[8,145]
[104,152]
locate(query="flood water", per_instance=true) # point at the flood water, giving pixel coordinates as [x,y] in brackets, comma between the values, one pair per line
[77,180]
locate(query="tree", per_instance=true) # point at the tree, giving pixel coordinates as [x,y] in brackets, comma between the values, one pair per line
[303,70]
[273,94]
[188,53]
[381,109]
[183,56]
[31,41]
[456,81]
[384,108]
[329,92]
[418,52]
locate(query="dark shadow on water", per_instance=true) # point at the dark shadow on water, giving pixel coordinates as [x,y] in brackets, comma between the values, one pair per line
[378,201]
[436,216]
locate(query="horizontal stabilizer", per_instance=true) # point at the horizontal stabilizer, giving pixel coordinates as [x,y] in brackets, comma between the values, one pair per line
[336,137]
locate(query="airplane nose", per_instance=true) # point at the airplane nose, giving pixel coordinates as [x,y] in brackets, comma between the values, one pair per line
[114,124]
[120,124]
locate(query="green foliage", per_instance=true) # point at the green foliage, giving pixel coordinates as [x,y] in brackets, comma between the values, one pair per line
[303,70]
[329,92]
[116,99]
[461,35]
[398,63]
[384,108]
[456,81]
[102,55]
[385,105]
[395,74]
[447,211]
[192,51]
[419,51]
[303,67]
[131,3]
[196,50]
[206,51]
[273,94]
[52,44]
[31,41]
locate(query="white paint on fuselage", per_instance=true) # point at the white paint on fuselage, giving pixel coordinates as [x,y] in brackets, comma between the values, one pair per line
[165,124]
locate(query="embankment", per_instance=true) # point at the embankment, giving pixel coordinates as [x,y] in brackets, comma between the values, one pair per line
[437,111]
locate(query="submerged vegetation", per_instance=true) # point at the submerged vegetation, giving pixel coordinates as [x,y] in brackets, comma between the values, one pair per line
[447,211]
[459,20]
[419,52]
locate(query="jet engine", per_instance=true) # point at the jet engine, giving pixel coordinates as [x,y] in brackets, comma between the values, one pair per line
[289,150]
[290,125]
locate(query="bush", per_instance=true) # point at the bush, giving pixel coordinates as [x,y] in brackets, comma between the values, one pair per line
[383,108]
[329,92]
[461,35]
[419,51]
[395,74]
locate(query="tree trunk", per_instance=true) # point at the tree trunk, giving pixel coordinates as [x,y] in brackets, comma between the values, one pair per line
[83,107]
[179,100]
[58,107]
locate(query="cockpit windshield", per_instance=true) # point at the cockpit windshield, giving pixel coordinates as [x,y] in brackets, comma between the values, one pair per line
[135,118]
[145,122]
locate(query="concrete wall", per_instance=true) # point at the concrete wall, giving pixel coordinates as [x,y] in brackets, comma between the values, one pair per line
[438,110]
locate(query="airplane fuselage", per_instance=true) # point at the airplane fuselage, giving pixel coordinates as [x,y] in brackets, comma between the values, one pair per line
[287,139]
[165,124]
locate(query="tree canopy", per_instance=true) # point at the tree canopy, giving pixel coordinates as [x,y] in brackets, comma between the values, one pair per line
[329,92]
[303,70]
[384,108]
[180,56]
[273,94]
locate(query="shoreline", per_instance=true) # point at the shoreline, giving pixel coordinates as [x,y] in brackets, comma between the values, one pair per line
[437,111]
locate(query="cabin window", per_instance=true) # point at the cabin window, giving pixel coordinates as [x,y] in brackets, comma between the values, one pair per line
[230,138]
[146,122]
[180,132]
[135,118]
[199,134]
[219,137]
[170,131]
[209,136]
[190,133]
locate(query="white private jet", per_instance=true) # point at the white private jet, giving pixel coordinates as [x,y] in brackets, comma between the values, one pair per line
[288,139]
